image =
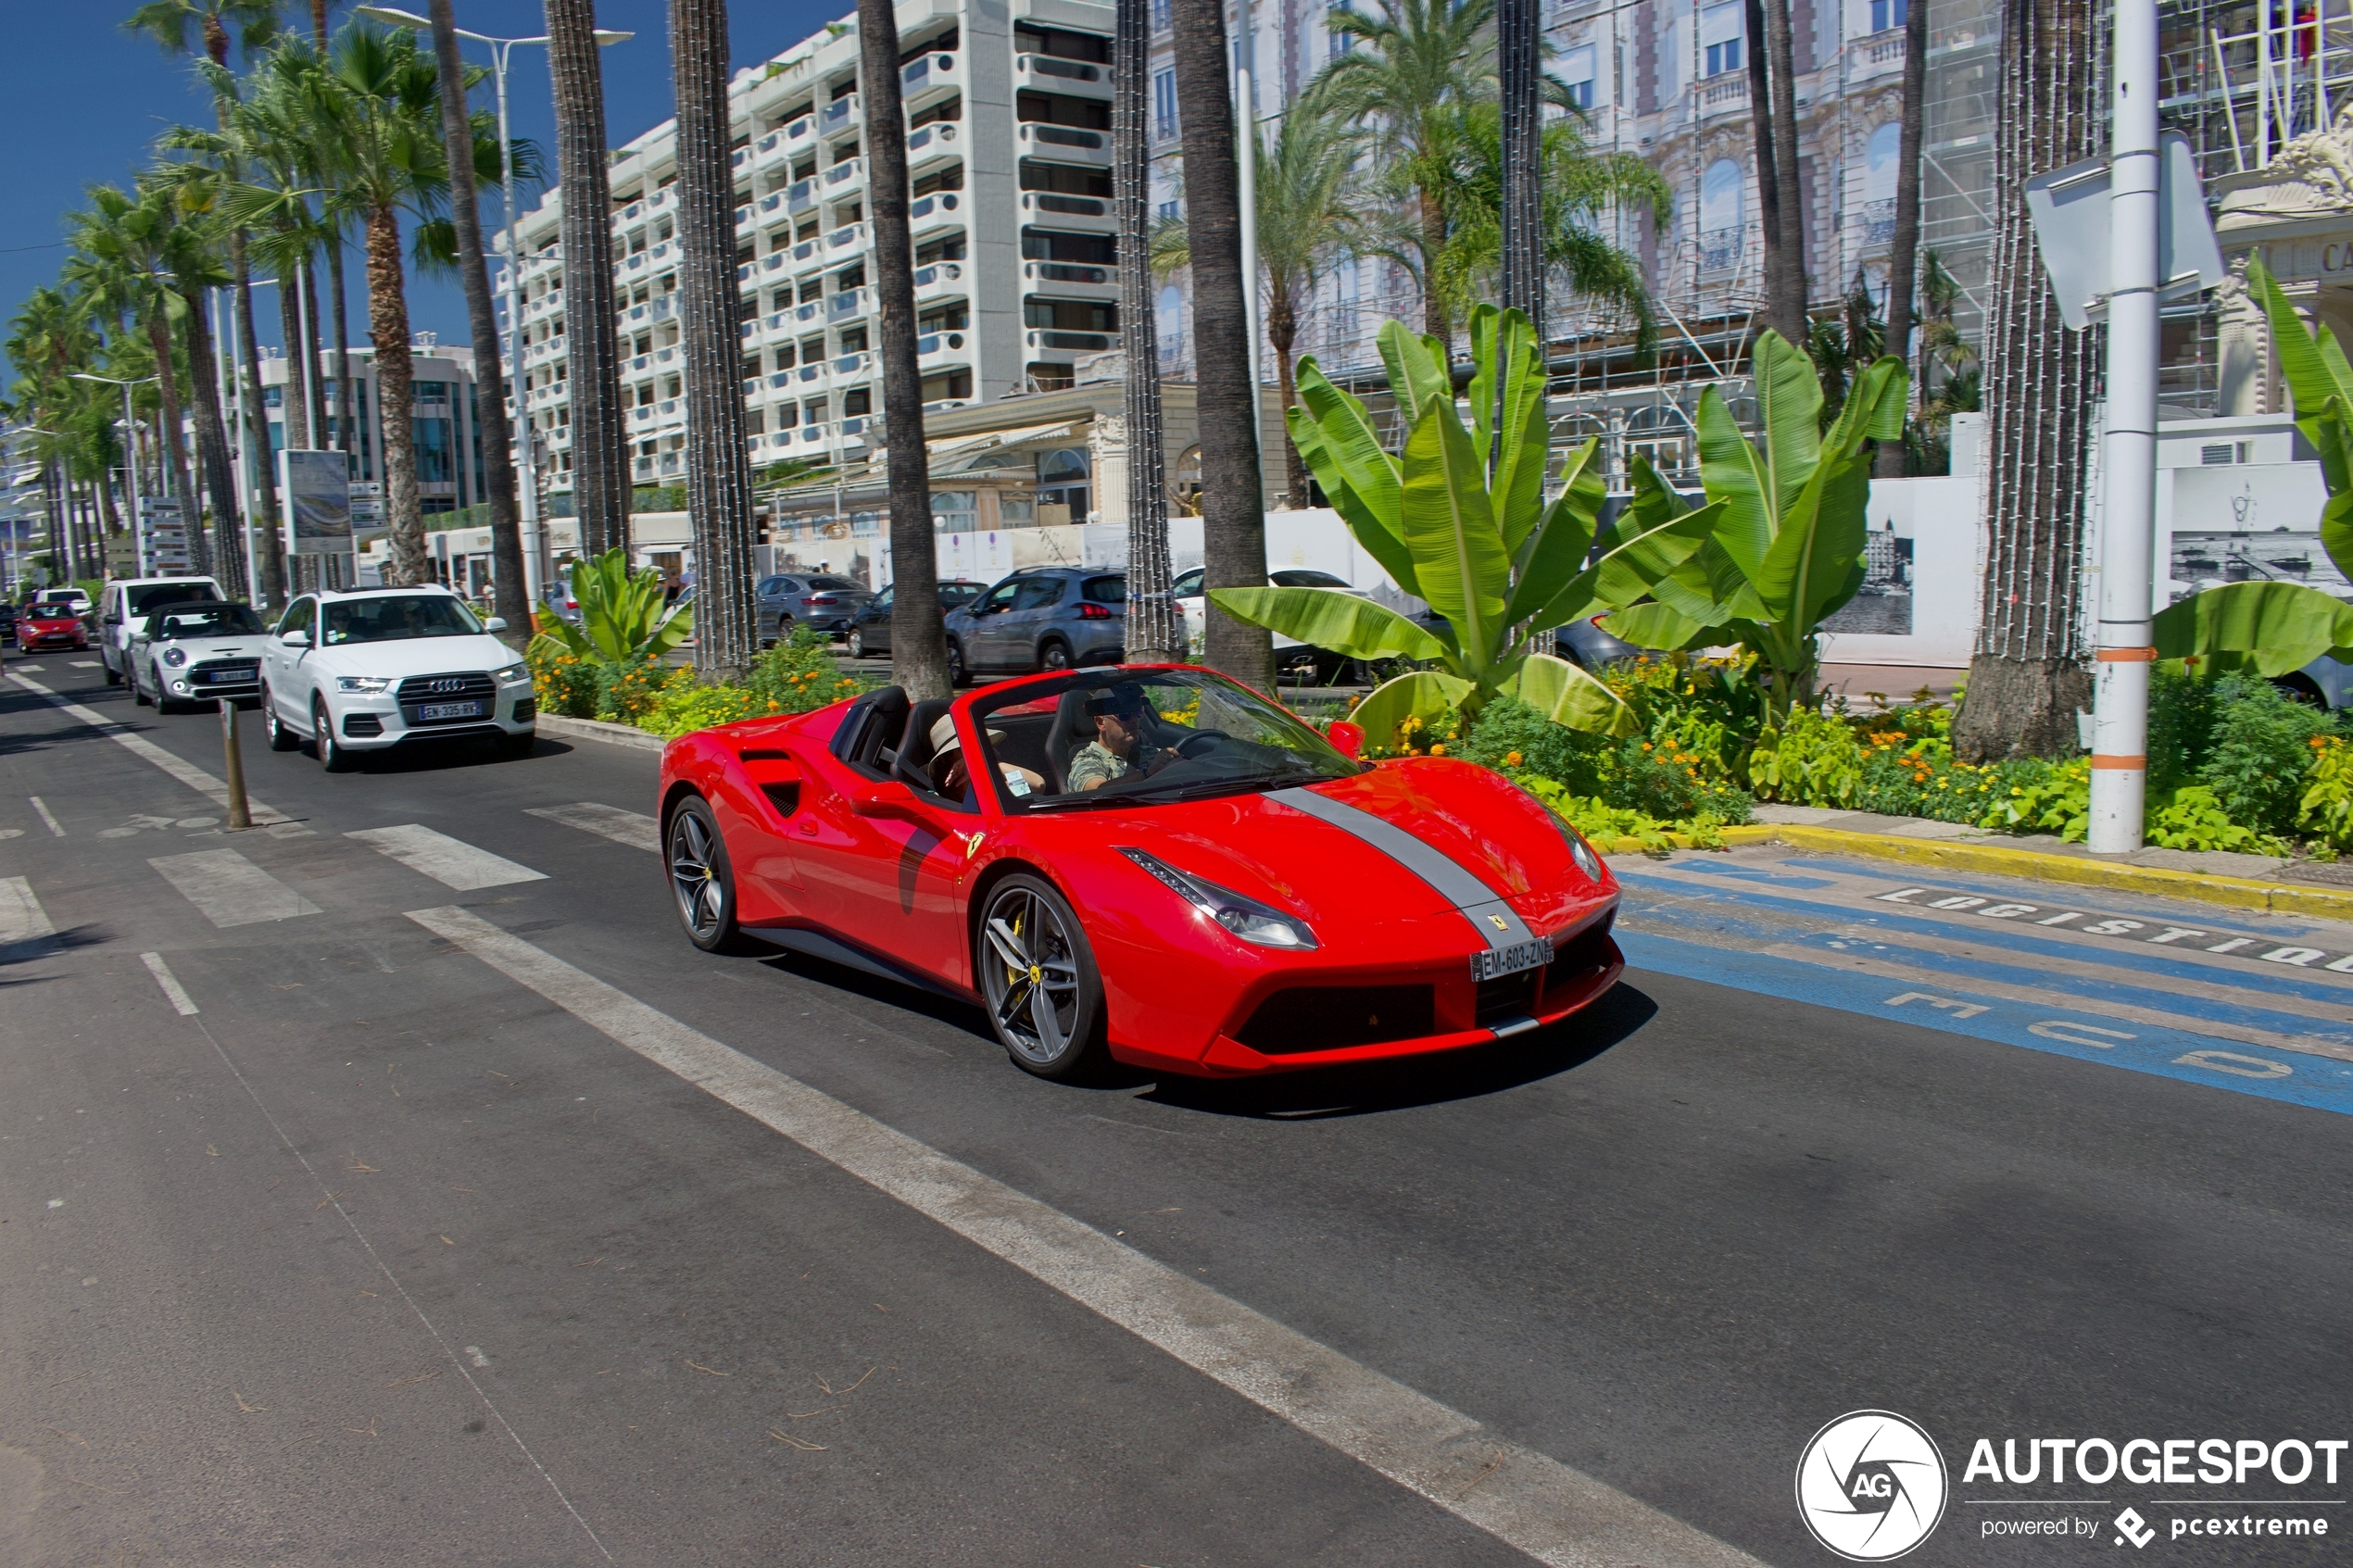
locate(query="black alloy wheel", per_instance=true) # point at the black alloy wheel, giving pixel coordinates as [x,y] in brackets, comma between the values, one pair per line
[857,648]
[1045,996]
[701,883]
[331,757]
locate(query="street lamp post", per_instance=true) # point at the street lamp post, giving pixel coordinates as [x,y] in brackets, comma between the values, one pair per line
[520,428]
[130,461]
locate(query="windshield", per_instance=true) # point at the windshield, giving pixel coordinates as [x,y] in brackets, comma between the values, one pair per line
[145,599]
[212,621]
[396,617]
[1146,737]
[52,612]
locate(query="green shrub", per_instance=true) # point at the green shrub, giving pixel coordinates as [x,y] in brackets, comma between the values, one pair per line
[1657,781]
[564,683]
[2059,801]
[2327,806]
[1607,824]
[686,706]
[1512,737]
[2193,818]
[627,691]
[798,675]
[2258,750]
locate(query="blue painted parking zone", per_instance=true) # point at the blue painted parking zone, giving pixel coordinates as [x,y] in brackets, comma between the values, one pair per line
[2247,1003]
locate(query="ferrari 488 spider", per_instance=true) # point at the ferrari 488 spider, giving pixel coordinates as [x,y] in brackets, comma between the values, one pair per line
[1148,860]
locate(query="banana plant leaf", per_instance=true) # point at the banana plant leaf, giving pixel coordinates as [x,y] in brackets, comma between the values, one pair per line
[2268,628]
[1553,551]
[1450,526]
[1426,693]
[2320,381]
[1509,359]
[1334,436]
[1634,562]
[1420,376]
[621,614]
[1567,695]
[1333,619]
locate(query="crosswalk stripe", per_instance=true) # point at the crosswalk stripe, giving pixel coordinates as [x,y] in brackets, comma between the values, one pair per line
[188,773]
[1525,1498]
[175,993]
[21,916]
[56,827]
[633,828]
[231,890]
[450,861]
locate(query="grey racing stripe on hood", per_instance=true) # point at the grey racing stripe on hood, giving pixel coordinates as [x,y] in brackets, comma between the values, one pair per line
[1493,919]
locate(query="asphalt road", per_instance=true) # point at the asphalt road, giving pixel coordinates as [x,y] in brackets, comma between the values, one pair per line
[380,1256]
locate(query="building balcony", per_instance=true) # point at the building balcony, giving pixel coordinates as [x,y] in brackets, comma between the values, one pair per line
[940,280]
[849,303]
[850,367]
[1066,142]
[770,149]
[841,173]
[1048,73]
[939,210]
[847,241]
[1062,272]
[1727,94]
[1876,222]
[928,77]
[1877,55]
[1719,250]
[1067,206]
[795,134]
[839,115]
[1082,343]
[941,139]
[938,351]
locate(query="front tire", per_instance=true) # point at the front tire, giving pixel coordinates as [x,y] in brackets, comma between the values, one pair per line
[1037,973]
[138,693]
[331,757]
[274,728]
[857,647]
[702,884]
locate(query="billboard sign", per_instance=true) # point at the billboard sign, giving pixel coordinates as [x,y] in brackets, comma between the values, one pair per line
[163,534]
[317,486]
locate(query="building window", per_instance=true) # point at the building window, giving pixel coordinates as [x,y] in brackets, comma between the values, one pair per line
[1886,14]
[1164,104]
[1576,69]
[1720,35]
[1160,16]
[1721,198]
[857,400]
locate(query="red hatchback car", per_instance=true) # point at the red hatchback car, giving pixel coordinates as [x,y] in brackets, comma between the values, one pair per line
[1150,862]
[51,626]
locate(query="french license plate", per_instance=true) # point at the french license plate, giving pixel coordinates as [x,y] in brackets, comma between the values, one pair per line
[229,675]
[449,711]
[1510,961]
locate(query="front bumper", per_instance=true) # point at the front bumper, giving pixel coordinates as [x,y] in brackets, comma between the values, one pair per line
[379,723]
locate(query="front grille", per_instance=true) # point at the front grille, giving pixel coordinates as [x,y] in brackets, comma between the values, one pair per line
[359,726]
[419,690]
[1581,957]
[1506,996]
[1330,1017]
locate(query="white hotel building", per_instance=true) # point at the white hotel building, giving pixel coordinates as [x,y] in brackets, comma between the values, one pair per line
[1010,153]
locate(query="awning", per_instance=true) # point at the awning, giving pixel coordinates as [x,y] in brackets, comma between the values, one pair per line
[973,445]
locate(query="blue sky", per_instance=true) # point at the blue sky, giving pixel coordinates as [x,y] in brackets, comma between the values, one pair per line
[82,102]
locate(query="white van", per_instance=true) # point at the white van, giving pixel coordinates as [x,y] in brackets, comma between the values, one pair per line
[124,607]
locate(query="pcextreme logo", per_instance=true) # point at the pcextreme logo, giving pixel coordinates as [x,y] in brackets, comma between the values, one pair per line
[1871,1485]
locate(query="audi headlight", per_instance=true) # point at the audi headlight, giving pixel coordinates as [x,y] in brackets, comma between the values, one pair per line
[371,686]
[1245,917]
[175,657]
[512,673]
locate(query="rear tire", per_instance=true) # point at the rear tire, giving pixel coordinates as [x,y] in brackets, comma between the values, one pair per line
[702,884]
[1038,976]
[957,675]
[138,692]
[113,676]
[331,757]
[272,728]
[1053,655]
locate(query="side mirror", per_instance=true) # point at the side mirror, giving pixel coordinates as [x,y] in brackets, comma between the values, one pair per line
[1347,739]
[495,624]
[886,800]
[297,638]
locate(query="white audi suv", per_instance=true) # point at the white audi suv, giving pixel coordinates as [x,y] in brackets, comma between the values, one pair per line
[378,668]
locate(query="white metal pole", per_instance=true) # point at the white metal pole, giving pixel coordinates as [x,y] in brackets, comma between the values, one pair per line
[130,483]
[2128,511]
[519,428]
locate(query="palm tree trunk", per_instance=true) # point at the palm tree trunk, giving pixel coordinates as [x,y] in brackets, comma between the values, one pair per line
[1155,627]
[719,495]
[347,395]
[599,436]
[388,328]
[1282,333]
[2027,680]
[1902,261]
[1790,206]
[295,402]
[1769,186]
[512,603]
[1233,513]
[260,468]
[1436,320]
[212,449]
[918,642]
[173,473]
[318,23]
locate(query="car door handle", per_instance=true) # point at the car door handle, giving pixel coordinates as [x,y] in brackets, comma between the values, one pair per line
[809,829]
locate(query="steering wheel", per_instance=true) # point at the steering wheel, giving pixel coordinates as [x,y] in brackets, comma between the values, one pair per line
[1200,744]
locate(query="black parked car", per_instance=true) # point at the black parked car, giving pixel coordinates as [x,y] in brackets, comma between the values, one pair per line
[7,621]
[869,628]
[815,599]
[1040,618]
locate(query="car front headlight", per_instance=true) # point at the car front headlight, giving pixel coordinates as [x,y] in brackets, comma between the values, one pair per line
[175,657]
[371,686]
[1245,917]
[512,673]
[1579,851]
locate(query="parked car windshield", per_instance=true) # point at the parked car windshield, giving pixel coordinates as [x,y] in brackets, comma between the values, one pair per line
[1146,737]
[52,612]
[212,621]
[146,599]
[398,617]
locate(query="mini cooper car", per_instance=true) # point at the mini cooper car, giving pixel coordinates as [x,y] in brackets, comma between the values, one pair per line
[380,667]
[1150,862]
[197,652]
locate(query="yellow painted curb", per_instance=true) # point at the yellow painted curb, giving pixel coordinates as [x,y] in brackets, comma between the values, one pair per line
[2236,893]
[1728,836]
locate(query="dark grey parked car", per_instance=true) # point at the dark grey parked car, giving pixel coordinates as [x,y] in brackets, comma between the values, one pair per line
[869,628]
[817,600]
[1040,618]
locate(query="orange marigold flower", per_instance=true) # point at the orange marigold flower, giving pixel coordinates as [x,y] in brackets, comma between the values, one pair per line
[1512,760]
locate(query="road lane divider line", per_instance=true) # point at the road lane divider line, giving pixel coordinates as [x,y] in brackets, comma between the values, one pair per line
[633,828]
[21,917]
[1533,1503]
[55,827]
[187,772]
[450,861]
[173,992]
[230,890]
[327,1199]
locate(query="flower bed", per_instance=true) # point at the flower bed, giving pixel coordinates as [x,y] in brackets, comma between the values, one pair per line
[798,676]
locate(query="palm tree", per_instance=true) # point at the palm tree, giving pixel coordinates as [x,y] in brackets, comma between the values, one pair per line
[118,243]
[1903,255]
[1233,512]
[183,27]
[1788,205]
[1308,208]
[599,438]
[1156,628]
[1426,61]
[461,136]
[2027,680]
[918,639]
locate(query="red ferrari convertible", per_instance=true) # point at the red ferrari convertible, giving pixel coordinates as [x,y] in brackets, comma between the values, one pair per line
[1152,862]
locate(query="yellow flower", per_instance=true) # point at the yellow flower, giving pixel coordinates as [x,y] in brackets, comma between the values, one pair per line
[1439,749]
[1512,760]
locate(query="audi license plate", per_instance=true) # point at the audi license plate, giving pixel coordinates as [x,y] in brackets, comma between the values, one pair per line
[449,711]
[1510,961]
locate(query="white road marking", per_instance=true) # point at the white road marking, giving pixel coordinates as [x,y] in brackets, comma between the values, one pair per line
[230,889]
[636,830]
[176,994]
[32,669]
[188,773]
[41,807]
[450,861]
[21,916]
[83,663]
[1533,1503]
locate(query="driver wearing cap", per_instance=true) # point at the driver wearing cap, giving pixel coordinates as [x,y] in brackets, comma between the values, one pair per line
[1121,742]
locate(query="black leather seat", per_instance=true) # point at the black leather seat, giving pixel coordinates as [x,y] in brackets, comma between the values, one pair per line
[1073,728]
[913,764]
